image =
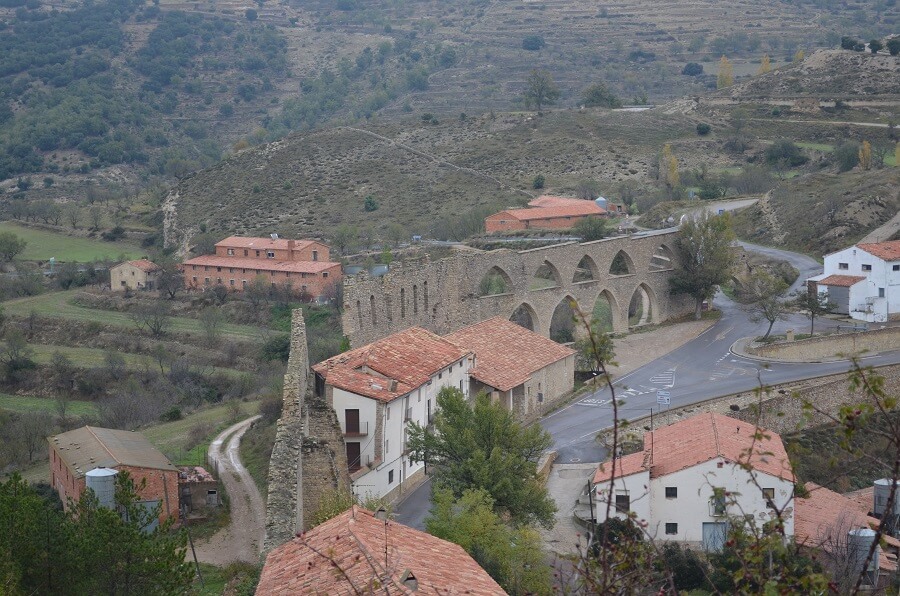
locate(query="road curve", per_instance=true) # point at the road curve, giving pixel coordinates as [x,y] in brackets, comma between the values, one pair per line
[242,539]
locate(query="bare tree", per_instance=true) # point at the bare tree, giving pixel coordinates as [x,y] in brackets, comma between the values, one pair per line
[155,318]
[764,298]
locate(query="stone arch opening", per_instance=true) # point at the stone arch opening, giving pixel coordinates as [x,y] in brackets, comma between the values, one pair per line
[586,270]
[562,323]
[495,281]
[663,259]
[372,311]
[546,276]
[604,314]
[402,303]
[415,299]
[622,264]
[641,307]
[525,316]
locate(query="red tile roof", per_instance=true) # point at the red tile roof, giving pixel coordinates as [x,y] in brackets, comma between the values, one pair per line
[588,208]
[507,354]
[843,281]
[704,437]
[144,265]
[262,264]
[823,519]
[551,201]
[356,552]
[409,358]
[624,466]
[889,251]
[263,243]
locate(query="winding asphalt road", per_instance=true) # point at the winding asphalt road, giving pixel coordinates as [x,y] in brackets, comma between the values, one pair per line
[701,369]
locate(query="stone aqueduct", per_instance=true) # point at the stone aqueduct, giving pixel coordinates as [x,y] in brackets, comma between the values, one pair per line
[448,294]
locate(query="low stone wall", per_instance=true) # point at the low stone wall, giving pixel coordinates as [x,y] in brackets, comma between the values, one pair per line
[830,346]
[545,464]
[780,409]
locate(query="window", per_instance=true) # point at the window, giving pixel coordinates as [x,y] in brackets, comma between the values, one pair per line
[231,282]
[387,446]
[895,268]
[194,279]
[623,503]
[843,266]
[717,505]
[881,292]
[768,495]
[218,270]
[230,252]
[193,267]
[270,254]
[206,280]
[315,255]
[671,529]
[246,252]
[387,413]
[324,275]
[866,267]
[391,477]
[440,375]
[671,492]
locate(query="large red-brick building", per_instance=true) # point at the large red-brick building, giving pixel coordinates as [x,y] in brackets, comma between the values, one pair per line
[75,453]
[303,264]
[547,212]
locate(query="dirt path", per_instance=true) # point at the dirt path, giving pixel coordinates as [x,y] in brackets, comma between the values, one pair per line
[242,539]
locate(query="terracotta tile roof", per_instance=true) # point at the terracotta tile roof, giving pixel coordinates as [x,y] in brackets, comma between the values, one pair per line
[261,264]
[704,437]
[889,251]
[355,552]
[552,201]
[588,208]
[263,243]
[864,498]
[823,519]
[142,264]
[507,354]
[624,466]
[89,447]
[844,281]
[409,357]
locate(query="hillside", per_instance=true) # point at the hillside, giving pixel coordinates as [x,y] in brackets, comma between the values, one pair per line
[164,88]
[820,213]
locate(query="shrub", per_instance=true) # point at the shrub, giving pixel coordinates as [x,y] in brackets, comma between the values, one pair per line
[846,156]
[276,348]
[114,234]
[533,43]
[692,69]
[171,415]
[251,14]
[538,181]
[370,204]
[703,129]
[786,151]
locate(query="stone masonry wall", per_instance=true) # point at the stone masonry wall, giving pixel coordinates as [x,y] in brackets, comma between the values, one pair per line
[817,348]
[444,296]
[780,409]
[308,457]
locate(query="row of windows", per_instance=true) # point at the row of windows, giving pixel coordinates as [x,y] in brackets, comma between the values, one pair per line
[865,267]
[272,273]
[623,500]
[207,281]
[270,254]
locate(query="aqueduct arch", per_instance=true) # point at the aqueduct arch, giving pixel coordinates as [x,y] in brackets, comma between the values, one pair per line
[451,293]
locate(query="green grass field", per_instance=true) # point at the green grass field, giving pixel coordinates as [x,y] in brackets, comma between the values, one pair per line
[59,305]
[18,403]
[43,244]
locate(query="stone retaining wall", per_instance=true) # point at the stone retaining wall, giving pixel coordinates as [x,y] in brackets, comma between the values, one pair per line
[829,346]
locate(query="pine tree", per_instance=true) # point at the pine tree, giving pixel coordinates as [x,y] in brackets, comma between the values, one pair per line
[765,65]
[726,74]
[865,155]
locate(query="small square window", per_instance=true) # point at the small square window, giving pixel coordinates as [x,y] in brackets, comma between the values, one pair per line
[769,496]
[324,274]
[671,492]
[623,503]
[866,267]
[843,266]
[391,477]
[895,268]
[440,375]
[671,529]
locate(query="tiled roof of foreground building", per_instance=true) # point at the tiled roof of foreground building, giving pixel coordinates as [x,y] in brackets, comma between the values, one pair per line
[358,553]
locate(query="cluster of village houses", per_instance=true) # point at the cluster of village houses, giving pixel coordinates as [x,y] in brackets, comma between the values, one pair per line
[685,485]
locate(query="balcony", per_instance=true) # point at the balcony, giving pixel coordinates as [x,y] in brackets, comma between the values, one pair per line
[359,430]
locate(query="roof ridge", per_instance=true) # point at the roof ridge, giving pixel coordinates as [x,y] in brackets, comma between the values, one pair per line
[715,430]
[102,444]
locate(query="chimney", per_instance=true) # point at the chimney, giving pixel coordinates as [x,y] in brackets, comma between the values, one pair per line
[290,248]
[393,385]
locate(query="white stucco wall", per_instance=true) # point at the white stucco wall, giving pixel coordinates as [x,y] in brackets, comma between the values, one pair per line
[394,466]
[691,508]
[865,302]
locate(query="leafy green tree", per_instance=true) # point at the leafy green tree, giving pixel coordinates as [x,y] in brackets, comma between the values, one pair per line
[764,298]
[598,95]
[787,152]
[846,155]
[591,228]
[540,89]
[481,446]
[538,182]
[11,246]
[893,46]
[370,204]
[703,250]
[512,556]
[875,45]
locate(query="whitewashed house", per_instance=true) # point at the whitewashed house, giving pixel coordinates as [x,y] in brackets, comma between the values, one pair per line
[688,480]
[375,389]
[863,281]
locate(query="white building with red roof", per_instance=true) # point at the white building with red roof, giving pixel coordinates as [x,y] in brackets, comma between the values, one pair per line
[357,552]
[692,476]
[863,281]
[375,389]
[522,370]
